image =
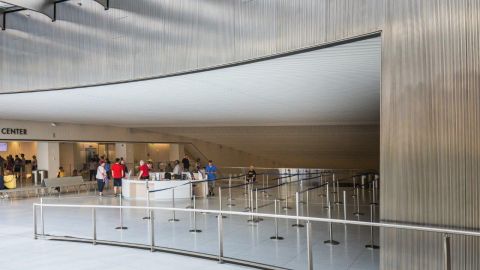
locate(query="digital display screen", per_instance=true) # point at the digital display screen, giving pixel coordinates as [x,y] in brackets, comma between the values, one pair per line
[3,147]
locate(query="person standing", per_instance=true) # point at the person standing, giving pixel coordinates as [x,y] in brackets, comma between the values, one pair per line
[177,171]
[2,164]
[211,171]
[17,167]
[101,178]
[117,174]
[144,173]
[251,175]
[34,163]
[92,167]
[124,164]
[186,163]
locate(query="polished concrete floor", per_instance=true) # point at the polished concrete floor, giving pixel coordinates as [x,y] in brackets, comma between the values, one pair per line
[243,240]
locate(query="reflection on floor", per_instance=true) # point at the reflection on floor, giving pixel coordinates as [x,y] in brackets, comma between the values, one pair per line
[243,240]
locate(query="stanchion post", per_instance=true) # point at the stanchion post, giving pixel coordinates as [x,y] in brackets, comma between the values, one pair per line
[121,227]
[34,221]
[174,219]
[308,202]
[345,205]
[354,187]
[152,231]
[372,244]
[257,219]
[338,202]
[358,213]
[195,230]
[220,200]
[220,238]
[94,225]
[309,246]
[148,202]
[297,210]
[447,258]
[276,236]
[327,198]
[191,196]
[42,221]
[230,204]
[330,241]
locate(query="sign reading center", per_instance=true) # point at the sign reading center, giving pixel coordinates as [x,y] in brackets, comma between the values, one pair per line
[13,131]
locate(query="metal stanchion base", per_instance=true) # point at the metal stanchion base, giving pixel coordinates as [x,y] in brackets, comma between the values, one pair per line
[326,207]
[372,247]
[338,203]
[195,231]
[173,220]
[276,238]
[298,225]
[302,202]
[222,216]
[230,204]
[321,195]
[189,207]
[282,200]
[331,242]
[146,218]
[286,208]
[247,209]
[373,203]
[121,228]
[358,214]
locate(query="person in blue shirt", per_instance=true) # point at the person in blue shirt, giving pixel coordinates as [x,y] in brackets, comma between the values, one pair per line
[211,171]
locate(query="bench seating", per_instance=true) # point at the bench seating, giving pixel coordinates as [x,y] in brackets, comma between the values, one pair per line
[64,182]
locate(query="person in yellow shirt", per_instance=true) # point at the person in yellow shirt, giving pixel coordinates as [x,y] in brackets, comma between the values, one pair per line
[61,172]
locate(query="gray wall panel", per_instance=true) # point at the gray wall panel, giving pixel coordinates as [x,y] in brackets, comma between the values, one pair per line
[141,39]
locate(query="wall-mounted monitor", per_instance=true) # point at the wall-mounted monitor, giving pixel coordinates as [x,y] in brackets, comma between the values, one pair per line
[3,147]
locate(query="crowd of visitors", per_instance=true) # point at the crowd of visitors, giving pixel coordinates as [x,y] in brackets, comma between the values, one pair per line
[16,166]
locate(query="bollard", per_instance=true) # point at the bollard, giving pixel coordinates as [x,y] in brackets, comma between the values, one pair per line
[297,210]
[327,198]
[286,207]
[247,198]
[276,236]
[152,231]
[121,227]
[174,219]
[309,246]
[230,204]
[358,213]
[345,205]
[220,238]
[372,245]
[330,241]
[447,258]
[94,224]
[250,198]
[148,203]
[322,191]
[194,230]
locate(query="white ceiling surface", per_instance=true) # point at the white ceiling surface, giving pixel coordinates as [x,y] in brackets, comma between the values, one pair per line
[336,85]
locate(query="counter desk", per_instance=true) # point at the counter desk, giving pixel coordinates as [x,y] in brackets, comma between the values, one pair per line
[137,189]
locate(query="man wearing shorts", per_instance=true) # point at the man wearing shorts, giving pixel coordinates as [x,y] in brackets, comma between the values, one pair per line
[117,174]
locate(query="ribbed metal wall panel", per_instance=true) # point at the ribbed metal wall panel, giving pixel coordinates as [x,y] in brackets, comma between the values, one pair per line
[425,126]
[472,132]
[141,39]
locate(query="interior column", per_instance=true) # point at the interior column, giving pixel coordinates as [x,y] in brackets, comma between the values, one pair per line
[48,156]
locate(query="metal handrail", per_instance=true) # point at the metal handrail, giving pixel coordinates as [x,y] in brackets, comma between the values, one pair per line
[289,217]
